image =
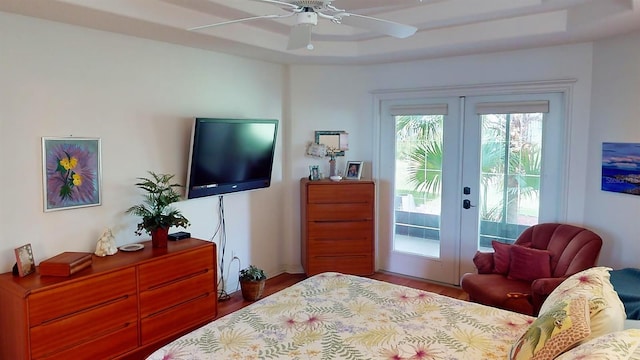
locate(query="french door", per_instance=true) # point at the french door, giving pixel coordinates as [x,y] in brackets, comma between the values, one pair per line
[457,172]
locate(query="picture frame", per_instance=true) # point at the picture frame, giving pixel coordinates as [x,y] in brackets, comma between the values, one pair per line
[353,170]
[337,140]
[621,167]
[71,172]
[24,260]
[314,172]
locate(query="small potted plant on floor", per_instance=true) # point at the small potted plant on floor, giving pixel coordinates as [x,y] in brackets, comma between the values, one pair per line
[252,280]
[156,213]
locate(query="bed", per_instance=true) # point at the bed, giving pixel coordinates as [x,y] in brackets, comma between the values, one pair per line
[338,316]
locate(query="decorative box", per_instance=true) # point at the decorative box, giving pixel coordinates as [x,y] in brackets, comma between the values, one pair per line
[65,264]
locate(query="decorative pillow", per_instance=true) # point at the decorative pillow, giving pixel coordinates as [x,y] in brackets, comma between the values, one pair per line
[483,262]
[619,345]
[501,257]
[606,310]
[553,332]
[529,264]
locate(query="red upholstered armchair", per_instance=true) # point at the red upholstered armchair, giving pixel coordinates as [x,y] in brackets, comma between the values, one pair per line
[519,277]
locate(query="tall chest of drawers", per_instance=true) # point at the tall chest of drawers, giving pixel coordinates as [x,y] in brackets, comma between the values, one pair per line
[337,226]
[122,306]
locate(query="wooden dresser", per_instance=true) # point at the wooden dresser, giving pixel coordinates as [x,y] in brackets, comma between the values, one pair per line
[123,306]
[337,226]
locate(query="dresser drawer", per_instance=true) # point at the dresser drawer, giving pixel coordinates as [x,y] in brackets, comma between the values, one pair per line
[175,268]
[179,318]
[340,193]
[361,264]
[107,346]
[339,212]
[159,299]
[86,326]
[77,296]
[340,237]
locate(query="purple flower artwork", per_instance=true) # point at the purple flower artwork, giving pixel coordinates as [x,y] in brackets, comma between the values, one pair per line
[621,167]
[72,172]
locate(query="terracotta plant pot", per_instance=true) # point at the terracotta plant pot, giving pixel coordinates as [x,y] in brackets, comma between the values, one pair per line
[159,238]
[252,290]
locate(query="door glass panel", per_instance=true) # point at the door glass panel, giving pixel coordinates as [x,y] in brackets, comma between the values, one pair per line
[511,153]
[418,184]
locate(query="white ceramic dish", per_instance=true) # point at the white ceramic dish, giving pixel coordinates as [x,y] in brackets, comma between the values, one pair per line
[335,178]
[131,247]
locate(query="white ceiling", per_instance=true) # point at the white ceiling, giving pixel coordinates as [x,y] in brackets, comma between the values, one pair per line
[445,27]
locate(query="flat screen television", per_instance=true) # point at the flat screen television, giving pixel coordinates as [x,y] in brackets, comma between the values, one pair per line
[230,155]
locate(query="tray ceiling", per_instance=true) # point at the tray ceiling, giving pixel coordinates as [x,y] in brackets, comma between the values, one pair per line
[445,27]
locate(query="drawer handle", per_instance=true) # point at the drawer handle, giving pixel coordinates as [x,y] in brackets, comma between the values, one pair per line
[99,305]
[202,296]
[189,276]
[339,256]
[341,221]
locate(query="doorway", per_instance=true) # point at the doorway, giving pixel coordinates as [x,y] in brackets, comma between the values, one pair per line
[457,172]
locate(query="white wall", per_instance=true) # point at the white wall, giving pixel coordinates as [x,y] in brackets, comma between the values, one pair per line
[615,117]
[139,97]
[339,98]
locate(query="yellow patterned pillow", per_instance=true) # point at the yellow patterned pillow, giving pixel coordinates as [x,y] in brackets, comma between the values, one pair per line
[607,311]
[619,345]
[560,328]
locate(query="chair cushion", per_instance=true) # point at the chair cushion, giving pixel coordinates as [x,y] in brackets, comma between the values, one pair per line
[529,264]
[501,257]
[492,290]
[606,310]
[554,332]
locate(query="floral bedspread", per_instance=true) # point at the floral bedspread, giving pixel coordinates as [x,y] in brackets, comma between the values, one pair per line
[336,316]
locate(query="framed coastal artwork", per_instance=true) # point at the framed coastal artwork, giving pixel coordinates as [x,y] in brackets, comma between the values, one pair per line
[621,167]
[71,169]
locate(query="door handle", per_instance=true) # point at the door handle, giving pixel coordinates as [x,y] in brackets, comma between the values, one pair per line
[466,203]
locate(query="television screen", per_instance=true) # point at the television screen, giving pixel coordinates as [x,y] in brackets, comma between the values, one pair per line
[230,155]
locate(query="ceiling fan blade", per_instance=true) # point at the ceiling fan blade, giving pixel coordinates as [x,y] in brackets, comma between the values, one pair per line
[280,3]
[241,20]
[378,25]
[299,37]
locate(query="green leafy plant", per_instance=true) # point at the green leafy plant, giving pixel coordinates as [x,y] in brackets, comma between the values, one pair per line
[252,273]
[156,211]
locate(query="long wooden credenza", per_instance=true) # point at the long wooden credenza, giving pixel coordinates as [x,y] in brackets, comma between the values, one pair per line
[120,307]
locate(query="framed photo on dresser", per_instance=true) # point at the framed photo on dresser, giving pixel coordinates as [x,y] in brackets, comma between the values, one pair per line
[24,260]
[353,170]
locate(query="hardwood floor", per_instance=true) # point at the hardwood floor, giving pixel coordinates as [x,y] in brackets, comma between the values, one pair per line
[277,283]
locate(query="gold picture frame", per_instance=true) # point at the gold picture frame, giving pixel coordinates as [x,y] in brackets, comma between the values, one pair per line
[24,260]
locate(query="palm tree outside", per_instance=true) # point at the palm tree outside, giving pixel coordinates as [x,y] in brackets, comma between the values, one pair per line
[511,150]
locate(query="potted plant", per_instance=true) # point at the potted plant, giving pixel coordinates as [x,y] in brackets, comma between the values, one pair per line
[252,280]
[156,213]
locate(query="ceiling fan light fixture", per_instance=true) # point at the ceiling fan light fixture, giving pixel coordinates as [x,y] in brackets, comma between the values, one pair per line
[309,18]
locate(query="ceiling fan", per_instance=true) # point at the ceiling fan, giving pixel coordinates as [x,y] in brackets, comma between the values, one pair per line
[307,13]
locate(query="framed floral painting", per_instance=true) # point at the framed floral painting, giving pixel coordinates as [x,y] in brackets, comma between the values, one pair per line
[71,172]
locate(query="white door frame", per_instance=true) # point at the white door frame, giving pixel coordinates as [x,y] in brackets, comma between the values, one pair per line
[564,86]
